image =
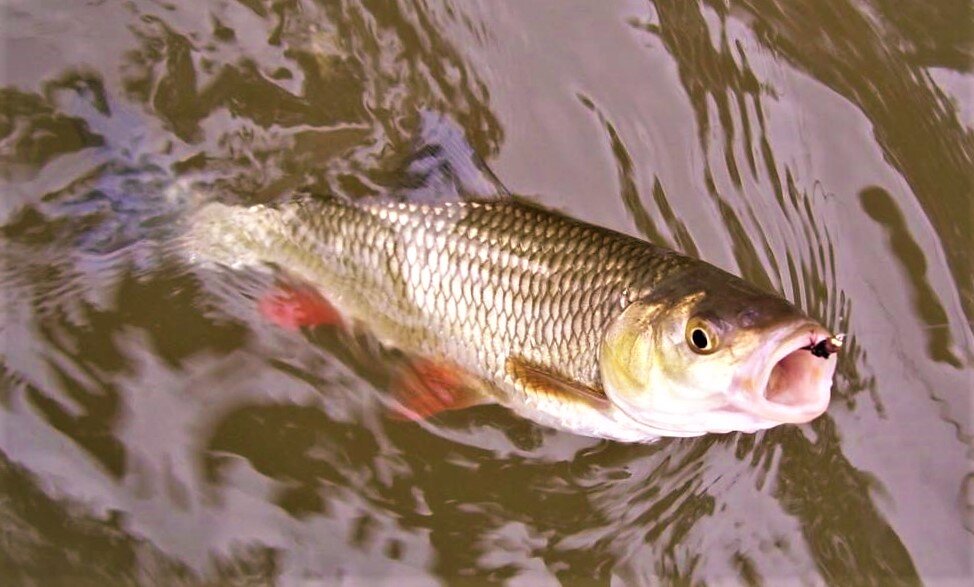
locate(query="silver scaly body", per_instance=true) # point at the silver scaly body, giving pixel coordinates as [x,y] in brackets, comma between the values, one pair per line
[470,283]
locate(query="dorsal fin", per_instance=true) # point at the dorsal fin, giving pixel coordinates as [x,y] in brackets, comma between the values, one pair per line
[444,167]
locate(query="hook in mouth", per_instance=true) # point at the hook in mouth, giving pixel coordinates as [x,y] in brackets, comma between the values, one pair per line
[826,346]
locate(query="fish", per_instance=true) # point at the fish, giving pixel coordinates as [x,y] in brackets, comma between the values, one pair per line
[495,299]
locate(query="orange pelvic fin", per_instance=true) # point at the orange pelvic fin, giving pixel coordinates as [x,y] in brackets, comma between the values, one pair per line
[424,388]
[294,307]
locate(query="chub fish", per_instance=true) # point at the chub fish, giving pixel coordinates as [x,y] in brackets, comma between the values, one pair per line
[571,325]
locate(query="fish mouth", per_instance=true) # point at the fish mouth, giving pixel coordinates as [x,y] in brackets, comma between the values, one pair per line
[786,379]
[792,384]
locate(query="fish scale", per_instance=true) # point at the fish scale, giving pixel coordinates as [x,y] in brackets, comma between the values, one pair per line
[475,283]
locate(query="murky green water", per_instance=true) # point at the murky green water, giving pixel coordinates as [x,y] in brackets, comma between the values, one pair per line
[154,429]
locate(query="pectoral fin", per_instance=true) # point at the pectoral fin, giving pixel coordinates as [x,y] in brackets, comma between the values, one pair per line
[539,381]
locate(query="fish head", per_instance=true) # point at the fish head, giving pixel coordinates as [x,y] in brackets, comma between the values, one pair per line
[708,352]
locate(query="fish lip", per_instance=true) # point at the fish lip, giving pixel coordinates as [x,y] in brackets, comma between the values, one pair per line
[751,384]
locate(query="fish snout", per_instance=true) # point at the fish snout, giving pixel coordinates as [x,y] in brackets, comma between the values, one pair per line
[794,384]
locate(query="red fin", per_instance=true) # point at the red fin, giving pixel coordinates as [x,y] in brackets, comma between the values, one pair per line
[426,388]
[292,308]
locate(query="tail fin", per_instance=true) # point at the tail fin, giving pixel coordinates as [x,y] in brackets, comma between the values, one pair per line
[232,235]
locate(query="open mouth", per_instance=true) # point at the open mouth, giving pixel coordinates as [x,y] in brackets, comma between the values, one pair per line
[795,385]
[787,379]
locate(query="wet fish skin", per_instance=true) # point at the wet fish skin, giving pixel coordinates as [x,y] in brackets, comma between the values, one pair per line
[480,280]
[480,284]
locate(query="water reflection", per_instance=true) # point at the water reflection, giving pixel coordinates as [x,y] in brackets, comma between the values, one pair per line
[847,47]
[628,192]
[155,429]
[880,207]
[34,132]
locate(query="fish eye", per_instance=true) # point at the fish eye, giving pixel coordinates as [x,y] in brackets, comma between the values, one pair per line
[701,336]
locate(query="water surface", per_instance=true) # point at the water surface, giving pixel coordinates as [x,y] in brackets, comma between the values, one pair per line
[154,428]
